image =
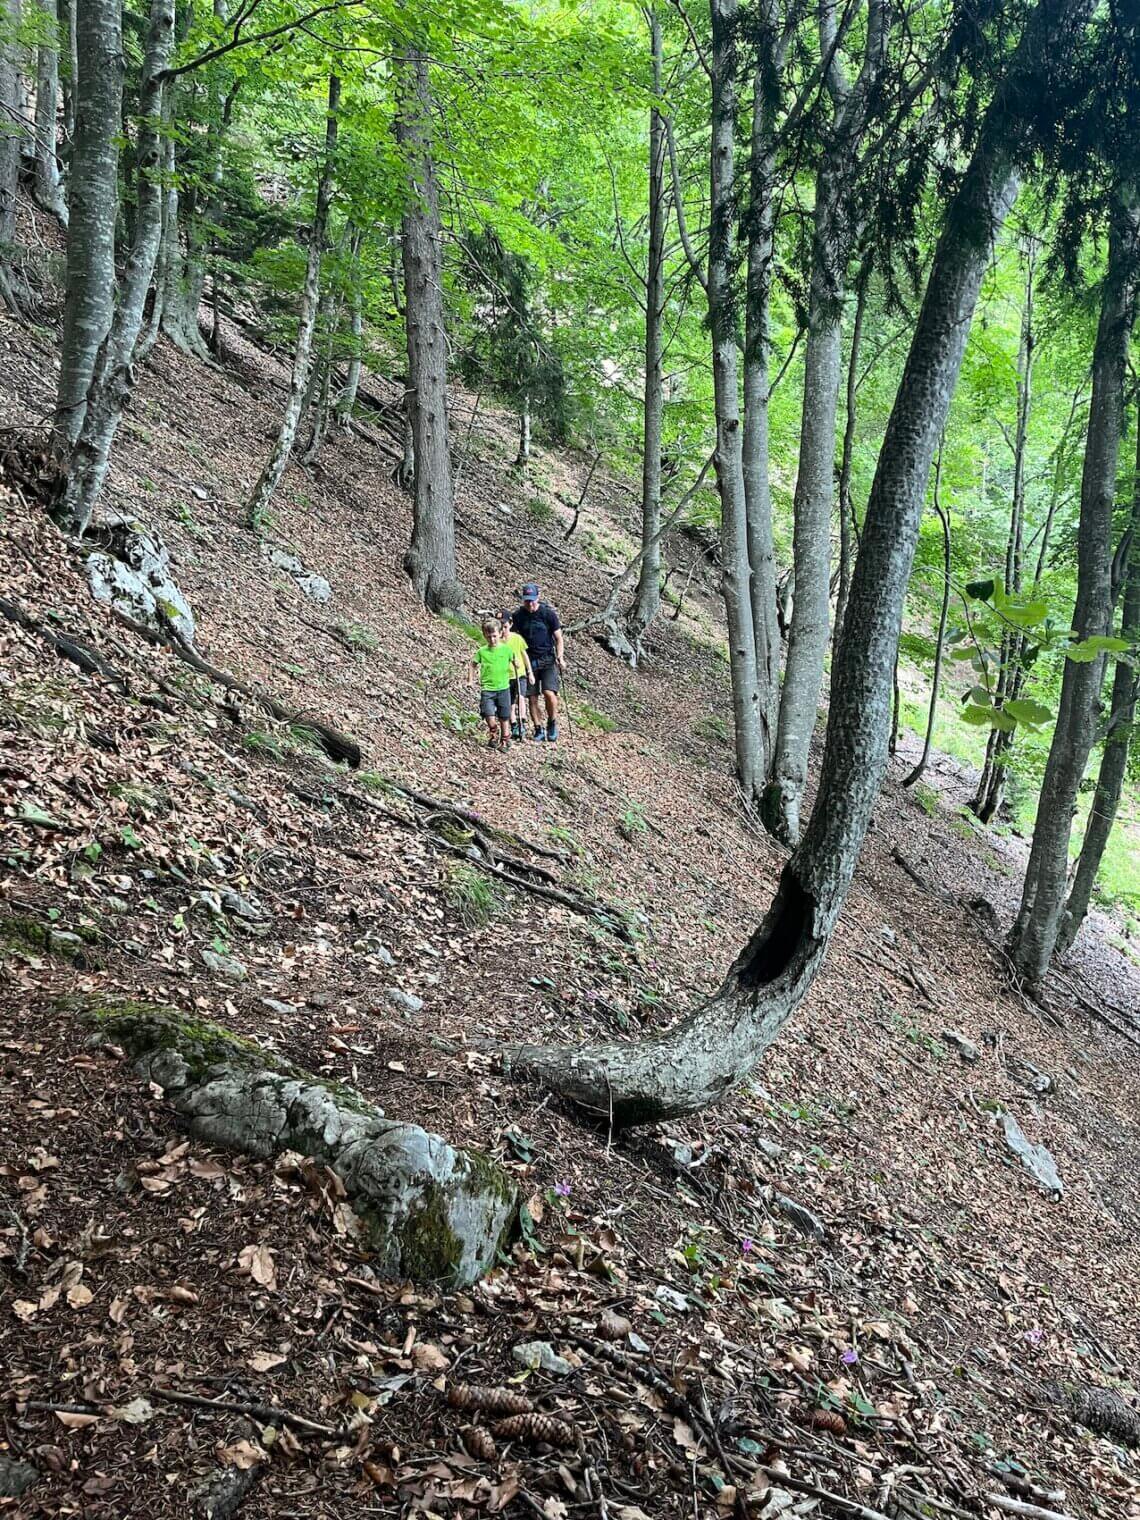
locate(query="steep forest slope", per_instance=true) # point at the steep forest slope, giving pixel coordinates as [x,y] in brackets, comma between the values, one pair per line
[839,1294]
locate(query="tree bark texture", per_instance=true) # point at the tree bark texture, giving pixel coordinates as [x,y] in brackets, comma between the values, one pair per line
[713,1047]
[848,529]
[113,378]
[274,468]
[11,148]
[815,478]
[346,400]
[430,561]
[1117,739]
[48,190]
[1035,929]
[757,384]
[93,206]
[647,601]
[729,459]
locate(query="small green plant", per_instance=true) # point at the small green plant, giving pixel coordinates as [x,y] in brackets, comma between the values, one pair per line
[540,510]
[471,896]
[357,637]
[465,626]
[459,717]
[632,824]
[926,797]
[590,718]
[563,836]
[263,743]
[712,728]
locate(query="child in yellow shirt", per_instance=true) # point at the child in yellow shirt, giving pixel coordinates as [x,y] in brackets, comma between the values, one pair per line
[521,674]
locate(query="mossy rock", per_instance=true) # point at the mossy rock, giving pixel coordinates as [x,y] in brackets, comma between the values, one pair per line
[27,936]
[428,1211]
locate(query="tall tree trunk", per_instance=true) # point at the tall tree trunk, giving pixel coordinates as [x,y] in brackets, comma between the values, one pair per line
[430,561]
[346,400]
[48,191]
[848,528]
[647,600]
[815,479]
[735,566]
[113,377]
[274,468]
[11,148]
[93,209]
[1035,930]
[1117,739]
[712,1048]
[68,68]
[940,642]
[522,458]
[757,353]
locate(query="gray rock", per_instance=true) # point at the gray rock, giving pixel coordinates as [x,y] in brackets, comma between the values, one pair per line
[968,1051]
[315,587]
[224,965]
[768,1148]
[888,935]
[672,1299]
[1035,1158]
[540,1356]
[276,1006]
[243,907]
[132,572]
[406,1002]
[369,945]
[16,1477]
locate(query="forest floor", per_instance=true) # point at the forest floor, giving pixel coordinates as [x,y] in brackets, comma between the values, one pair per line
[902,1343]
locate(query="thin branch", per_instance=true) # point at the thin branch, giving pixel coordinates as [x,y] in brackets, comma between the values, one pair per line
[679,206]
[237,40]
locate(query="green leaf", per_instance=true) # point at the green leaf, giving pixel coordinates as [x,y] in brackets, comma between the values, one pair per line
[1026,711]
[1087,650]
[981,716]
[1024,614]
[981,591]
[30,813]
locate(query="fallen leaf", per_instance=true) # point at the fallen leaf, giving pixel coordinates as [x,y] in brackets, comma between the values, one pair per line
[79,1296]
[24,1309]
[137,1412]
[242,1454]
[428,1358]
[74,1420]
[262,1361]
[257,1260]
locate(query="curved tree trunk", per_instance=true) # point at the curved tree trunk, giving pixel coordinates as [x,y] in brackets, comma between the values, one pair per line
[274,468]
[928,738]
[113,378]
[729,459]
[815,479]
[430,561]
[1034,935]
[48,190]
[93,206]
[647,601]
[713,1047]
[1114,762]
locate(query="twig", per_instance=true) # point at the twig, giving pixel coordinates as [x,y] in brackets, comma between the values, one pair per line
[267,1412]
[852,1506]
[1027,1511]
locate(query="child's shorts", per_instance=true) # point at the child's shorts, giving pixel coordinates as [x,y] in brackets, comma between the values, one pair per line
[518,688]
[495,704]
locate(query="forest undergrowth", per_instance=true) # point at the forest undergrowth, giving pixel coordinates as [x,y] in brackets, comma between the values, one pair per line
[839,1293]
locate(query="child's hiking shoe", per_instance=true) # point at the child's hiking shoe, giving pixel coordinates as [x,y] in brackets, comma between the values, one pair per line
[517,731]
[551,732]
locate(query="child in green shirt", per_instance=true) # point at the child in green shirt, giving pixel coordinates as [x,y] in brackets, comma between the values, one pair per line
[521,674]
[492,666]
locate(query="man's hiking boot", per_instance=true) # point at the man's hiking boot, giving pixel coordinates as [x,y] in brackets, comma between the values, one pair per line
[540,736]
[552,732]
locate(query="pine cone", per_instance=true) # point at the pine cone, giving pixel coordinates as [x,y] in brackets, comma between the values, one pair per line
[488,1400]
[821,1419]
[478,1443]
[536,1428]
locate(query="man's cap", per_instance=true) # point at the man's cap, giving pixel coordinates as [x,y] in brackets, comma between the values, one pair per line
[529,592]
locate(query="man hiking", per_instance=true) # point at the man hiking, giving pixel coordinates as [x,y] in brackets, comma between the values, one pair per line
[541,628]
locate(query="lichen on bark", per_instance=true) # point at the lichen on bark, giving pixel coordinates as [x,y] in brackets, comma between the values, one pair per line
[427,1211]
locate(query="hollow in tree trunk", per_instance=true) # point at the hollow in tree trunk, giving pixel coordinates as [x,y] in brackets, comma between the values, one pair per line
[1117,739]
[1034,935]
[113,378]
[720,1042]
[93,207]
[647,600]
[430,561]
[274,468]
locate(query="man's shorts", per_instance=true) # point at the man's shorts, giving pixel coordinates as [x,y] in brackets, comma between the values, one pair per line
[546,677]
[518,688]
[495,704]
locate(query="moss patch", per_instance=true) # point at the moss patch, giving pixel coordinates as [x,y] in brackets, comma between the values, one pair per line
[24,935]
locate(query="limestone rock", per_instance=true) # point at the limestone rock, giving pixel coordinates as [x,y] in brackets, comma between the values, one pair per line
[406,1002]
[131,571]
[540,1356]
[968,1051]
[1035,1158]
[224,965]
[315,587]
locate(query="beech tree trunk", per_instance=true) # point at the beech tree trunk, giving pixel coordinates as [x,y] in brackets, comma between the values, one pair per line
[48,191]
[757,387]
[720,1042]
[1117,739]
[430,561]
[11,148]
[271,474]
[848,529]
[940,643]
[346,400]
[815,479]
[1034,935]
[647,601]
[113,379]
[93,206]
[729,459]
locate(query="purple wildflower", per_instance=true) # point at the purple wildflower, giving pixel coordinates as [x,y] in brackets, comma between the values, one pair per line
[849,1357]
[562,1189]
[747,1245]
